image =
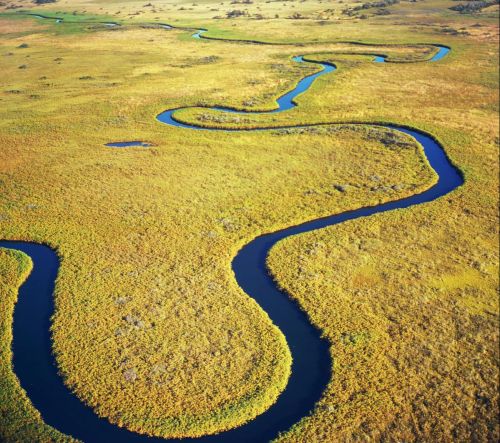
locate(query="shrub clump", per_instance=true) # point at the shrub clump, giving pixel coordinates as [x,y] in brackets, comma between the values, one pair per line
[236,13]
[370,5]
[473,6]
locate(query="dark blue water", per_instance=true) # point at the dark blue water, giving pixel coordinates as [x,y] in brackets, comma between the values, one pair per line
[442,52]
[36,369]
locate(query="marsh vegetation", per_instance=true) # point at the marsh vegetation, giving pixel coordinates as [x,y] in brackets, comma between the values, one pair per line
[146,301]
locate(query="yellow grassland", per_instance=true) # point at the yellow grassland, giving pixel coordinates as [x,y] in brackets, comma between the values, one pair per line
[146,302]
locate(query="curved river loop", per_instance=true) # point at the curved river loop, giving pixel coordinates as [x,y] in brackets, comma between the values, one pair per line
[36,368]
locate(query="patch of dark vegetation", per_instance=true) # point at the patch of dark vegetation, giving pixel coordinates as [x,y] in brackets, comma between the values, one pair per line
[297,16]
[371,5]
[121,301]
[452,31]
[199,61]
[392,141]
[43,2]
[473,6]
[353,338]
[299,130]
[340,188]
[222,118]
[209,59]
[134,321]
[130,375]
[236,13]
[23,45]
[86,77]
[23,66]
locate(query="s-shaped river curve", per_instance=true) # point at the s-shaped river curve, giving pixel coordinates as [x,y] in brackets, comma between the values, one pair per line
[36,368]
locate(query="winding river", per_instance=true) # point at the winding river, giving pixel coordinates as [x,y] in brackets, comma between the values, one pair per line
[36,367]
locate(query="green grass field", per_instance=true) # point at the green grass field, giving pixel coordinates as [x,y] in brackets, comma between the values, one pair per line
[147,307]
